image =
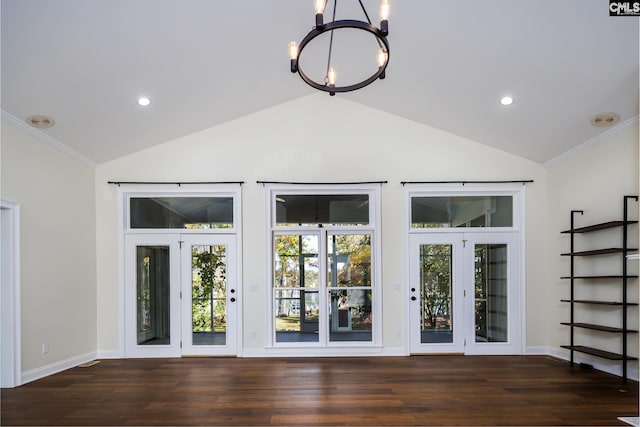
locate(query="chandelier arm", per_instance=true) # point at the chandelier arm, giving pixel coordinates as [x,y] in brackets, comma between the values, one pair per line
[365,11]
[368,20]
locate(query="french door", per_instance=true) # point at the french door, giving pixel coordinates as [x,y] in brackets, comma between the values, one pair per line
[180,295]
[465,293]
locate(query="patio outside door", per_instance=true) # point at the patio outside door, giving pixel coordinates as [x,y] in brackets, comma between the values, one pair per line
[180,295]
[464,293]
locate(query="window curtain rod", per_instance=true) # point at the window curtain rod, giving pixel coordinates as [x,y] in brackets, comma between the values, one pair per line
[119,183]
[320,183]
[523,181]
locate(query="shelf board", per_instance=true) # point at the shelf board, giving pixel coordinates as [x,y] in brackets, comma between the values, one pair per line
[597,327]
[596,352]
[599,252]
[596,227]
[600,277]
[586,301]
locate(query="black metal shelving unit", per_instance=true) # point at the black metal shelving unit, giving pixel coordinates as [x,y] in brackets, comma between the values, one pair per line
[624,277]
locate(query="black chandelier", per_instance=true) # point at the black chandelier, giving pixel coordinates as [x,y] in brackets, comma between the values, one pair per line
[382,55]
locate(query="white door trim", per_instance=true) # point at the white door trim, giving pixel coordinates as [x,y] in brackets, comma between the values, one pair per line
[123,194]
[462,281]
[11,327]
[517,191]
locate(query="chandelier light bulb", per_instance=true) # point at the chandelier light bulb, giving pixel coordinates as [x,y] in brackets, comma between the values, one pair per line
[384,10]
[319,5]
[293,50]
[331,76]
[382,57]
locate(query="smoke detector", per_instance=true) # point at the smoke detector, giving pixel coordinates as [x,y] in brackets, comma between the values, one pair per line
[604,120]
[40,121]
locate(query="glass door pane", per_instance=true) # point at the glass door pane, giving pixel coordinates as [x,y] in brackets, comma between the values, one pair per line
[436,293]
[490,293]
[153,322]
[436,298]
[209,294]
[494,288]
[296,300]
[349,285]
[152,295]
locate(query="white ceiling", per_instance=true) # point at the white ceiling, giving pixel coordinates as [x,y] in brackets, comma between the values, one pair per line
[205,62]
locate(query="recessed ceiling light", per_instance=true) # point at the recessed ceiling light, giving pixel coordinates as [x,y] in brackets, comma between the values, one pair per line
[143,101]
[506,100]
[40,121]
[604,120]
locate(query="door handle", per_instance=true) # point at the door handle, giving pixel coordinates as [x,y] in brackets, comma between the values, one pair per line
[413,298]
[233,291]
[233,299]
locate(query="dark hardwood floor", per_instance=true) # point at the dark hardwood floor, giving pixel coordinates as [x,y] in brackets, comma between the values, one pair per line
[418,390]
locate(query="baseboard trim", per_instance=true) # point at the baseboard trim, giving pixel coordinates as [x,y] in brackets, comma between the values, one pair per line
[325,352]
[109,354]
[54,368]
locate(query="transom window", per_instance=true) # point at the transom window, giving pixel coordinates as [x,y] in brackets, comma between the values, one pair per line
[181,212]
[322,209]
[461,211]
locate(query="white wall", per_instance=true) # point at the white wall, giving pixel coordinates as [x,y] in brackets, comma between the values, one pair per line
[327,139]
[593,179]
[58,277]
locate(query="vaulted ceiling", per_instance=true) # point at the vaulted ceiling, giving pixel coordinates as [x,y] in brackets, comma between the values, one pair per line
[204,62]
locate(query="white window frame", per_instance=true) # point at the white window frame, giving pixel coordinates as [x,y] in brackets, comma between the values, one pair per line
[128,194]
[516,190]
[126,191]
[324,346]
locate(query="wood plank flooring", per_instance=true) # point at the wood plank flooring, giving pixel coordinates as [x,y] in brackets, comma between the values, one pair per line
[417,390]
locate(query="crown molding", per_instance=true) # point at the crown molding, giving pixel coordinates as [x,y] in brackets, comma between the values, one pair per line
[43,137]
[593,141]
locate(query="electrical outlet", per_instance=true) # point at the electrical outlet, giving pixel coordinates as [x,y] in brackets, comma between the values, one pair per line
[45,348]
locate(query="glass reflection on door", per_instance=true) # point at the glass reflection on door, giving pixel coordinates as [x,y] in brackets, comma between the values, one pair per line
[295,295]
[349,284]
[490,289]
[436,301]
[209,294]
[152,295]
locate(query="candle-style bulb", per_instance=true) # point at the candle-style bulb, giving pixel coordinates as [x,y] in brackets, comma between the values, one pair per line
[319,5]
[382,57]
[293,50]
[384,10]
[331,76]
